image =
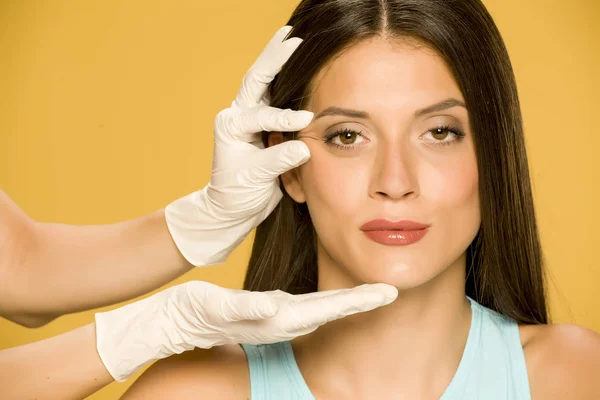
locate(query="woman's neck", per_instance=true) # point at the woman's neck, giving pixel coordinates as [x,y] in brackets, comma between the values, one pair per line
[410,347]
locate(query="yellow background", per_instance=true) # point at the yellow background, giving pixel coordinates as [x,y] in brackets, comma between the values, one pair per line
[107,106]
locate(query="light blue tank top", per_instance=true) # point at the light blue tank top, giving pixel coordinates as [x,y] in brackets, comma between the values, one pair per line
[492,366]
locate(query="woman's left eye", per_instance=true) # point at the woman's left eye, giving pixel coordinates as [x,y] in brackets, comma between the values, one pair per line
[440,133]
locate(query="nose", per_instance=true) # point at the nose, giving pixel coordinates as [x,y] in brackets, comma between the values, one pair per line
[393,173]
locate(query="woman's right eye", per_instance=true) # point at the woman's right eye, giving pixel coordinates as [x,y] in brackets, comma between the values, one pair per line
[344,138]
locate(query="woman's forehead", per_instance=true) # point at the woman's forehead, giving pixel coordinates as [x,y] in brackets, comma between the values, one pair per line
[380,71]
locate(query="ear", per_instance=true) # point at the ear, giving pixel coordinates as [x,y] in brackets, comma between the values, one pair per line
[291,179]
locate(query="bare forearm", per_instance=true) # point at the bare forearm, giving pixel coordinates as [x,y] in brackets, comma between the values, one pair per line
[56,269]
[85,267]
[66,366]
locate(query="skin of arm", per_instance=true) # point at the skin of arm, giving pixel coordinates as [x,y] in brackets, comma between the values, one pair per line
[217,373]
[48,270]
[66,366]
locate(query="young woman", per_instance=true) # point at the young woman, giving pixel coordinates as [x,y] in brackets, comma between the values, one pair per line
[418,178]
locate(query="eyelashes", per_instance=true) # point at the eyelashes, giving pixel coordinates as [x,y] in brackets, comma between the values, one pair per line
[348,134]
[458,134]
[329,139]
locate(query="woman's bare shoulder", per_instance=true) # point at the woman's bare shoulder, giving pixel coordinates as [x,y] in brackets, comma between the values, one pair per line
[217,373]
[563,361]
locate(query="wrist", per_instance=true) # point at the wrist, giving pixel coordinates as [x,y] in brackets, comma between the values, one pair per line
[202,232]
[130,337]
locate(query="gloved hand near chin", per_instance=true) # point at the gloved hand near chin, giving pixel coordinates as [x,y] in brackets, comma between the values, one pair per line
[200,314]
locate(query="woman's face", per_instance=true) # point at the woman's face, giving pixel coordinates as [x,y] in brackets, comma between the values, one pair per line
[403,159]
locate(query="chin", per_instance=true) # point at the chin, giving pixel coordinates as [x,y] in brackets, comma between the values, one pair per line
[406,272]
[404,279]
[402,275]
[404,268]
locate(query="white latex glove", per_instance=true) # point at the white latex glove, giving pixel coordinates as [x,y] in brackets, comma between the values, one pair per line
[200,314]
[208,224]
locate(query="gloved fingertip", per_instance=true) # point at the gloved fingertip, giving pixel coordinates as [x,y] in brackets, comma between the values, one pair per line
[292,121]
[304,117]
[298,151]
[389,292]
[285,29]
[292,44]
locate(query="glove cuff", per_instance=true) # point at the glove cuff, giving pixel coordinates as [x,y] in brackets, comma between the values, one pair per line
[200,235]
[131,336]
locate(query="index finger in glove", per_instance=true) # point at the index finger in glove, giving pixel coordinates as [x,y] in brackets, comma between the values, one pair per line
[316,309]
[246,124]
[264,69]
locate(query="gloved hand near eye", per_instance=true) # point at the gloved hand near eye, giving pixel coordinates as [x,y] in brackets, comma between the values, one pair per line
[243,190]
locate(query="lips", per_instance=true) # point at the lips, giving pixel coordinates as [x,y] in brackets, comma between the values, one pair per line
[394,232]
[386,225]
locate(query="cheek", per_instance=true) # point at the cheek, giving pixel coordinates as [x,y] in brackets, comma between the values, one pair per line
[333,186]
[453,192]
[454,187]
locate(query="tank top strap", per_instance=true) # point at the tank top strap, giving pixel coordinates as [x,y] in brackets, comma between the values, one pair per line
[467,361]
[516,368]
[274,374]
[493,363]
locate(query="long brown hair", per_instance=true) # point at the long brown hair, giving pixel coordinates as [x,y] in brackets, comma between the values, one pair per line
[504,261]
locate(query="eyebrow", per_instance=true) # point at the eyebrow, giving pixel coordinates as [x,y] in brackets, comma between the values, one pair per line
[347,112]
